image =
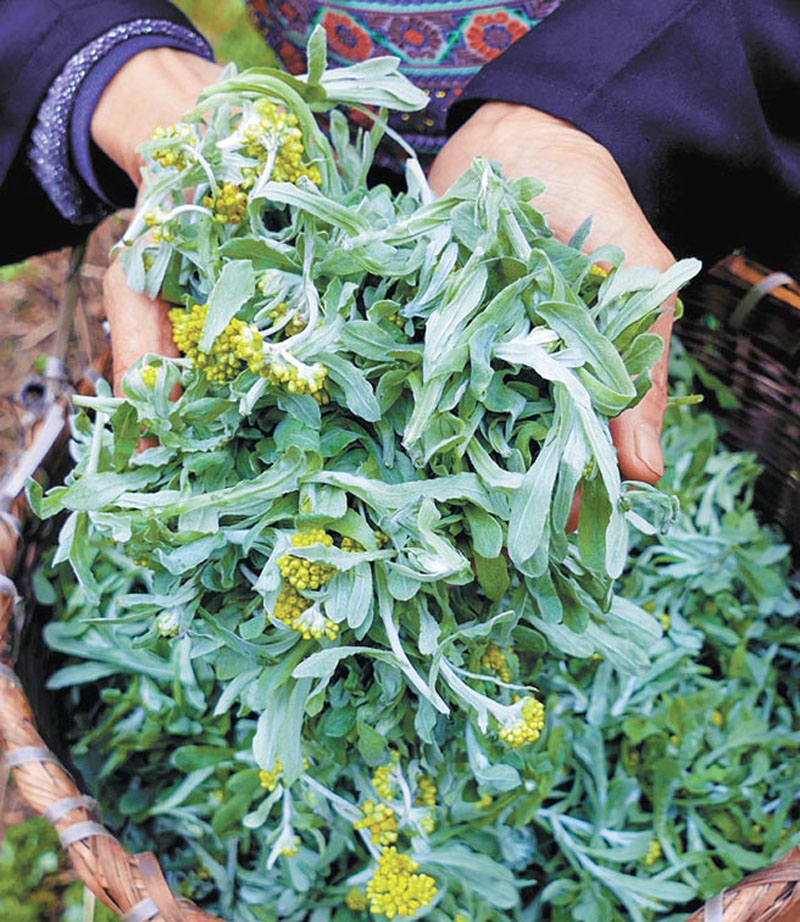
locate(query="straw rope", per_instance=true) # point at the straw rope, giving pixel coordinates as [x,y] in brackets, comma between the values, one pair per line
[769,895]
[131,885]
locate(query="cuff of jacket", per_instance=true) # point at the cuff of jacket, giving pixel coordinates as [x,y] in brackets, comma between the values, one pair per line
[29,67]
[82,183]
[107,181]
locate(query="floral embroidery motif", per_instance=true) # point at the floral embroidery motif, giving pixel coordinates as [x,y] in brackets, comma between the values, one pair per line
[416,37]
[346,37]
[442,45]
[490,34]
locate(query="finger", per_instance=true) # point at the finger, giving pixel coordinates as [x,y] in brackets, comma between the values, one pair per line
[637,432]
[138,325]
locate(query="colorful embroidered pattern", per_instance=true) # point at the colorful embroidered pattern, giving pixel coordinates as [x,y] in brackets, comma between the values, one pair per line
[441,45]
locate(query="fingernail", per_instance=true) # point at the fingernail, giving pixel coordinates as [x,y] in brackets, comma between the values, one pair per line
[647,444]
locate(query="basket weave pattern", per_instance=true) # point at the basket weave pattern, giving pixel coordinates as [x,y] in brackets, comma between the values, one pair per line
[131,885]
[742,323]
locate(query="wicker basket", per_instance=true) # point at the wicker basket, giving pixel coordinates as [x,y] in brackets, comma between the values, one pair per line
[753,351]
[742,324]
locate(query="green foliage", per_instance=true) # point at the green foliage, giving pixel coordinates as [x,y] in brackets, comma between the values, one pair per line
[34,885]
[324,622]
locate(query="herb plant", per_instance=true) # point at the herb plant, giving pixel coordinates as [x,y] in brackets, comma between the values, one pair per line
[349,661]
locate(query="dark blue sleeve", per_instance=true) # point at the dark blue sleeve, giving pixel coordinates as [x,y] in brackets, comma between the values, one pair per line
[37,39]
[697,100]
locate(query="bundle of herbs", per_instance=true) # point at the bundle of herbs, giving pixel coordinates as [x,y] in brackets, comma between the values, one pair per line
[349,661]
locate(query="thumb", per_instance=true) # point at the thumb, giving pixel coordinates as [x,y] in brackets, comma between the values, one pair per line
[637,432]
[138,325]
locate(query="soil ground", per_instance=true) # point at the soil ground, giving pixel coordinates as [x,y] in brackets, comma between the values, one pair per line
[30,300]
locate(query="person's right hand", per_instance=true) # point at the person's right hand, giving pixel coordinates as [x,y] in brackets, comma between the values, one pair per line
[155,88]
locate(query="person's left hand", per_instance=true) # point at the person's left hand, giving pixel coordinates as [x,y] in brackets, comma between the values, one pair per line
[154,88]
[582,179]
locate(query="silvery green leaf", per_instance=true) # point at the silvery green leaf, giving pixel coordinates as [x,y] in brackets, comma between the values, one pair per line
[491,776]
[309,199]
[94,491]
[260,253]
[403,583]
[316,56]
[374,82]
[650,296]
[489,471]
[154,276]
[595,514]
[235,286]
[323,662]
[483,875]
[575,328]
[485,530]
[396,495]
[571,470]
[643,353]
[461,301]
[176,797]
[359,396]
[429,631]
[351,596]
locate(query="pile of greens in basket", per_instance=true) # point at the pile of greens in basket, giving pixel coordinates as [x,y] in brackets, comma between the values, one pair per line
[350,665]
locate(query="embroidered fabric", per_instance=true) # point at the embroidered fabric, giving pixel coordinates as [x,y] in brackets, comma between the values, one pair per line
[442,45]
[49,153]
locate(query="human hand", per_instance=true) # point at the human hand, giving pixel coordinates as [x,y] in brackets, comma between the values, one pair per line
[155,88]
[582,179]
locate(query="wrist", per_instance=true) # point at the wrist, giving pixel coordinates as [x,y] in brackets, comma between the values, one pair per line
[155,87]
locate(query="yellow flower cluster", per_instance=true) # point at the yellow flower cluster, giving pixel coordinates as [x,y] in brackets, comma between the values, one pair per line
[528,727]
[383,779]
[653,853]
[239,343]
[428,823]
[426,792]
[350,544]
[229,206]
[156,219]
[717,718]
[380,820]
[277,128]
[356,899]
[296,325]
[310,380]
[395,888]
[307,574]
[494,660]
[150,375]
[176,136]
[303,616]
[485,802]
[269,780]
[292,608]
[666,621]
